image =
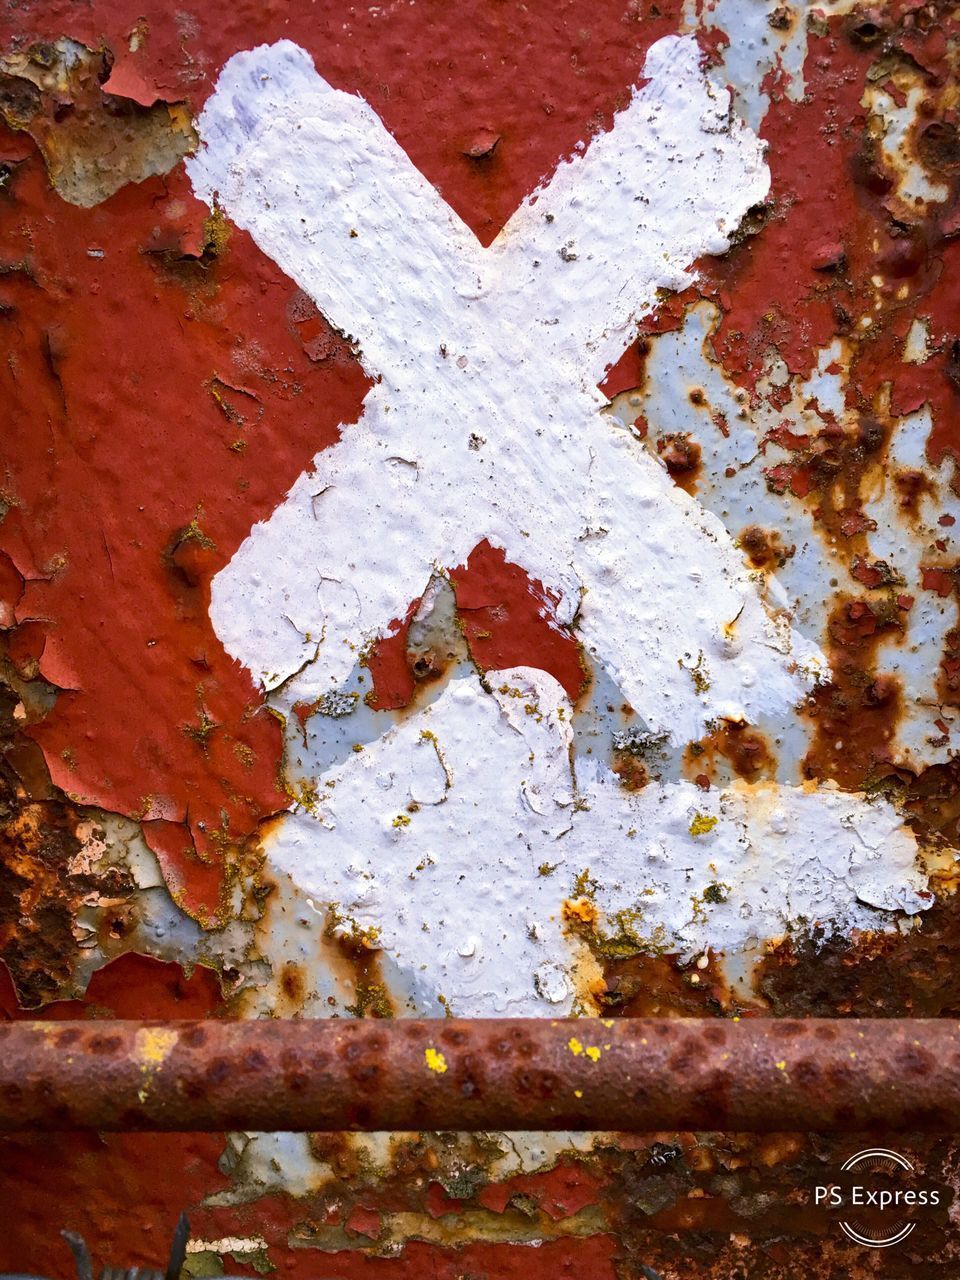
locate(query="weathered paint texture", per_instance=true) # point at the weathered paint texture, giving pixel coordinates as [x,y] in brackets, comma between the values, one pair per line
[477,529]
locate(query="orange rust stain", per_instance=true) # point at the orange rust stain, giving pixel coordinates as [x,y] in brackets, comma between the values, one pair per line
[682,456]
[854,718]
[631,771]
[661,986]
[764,548]
[746,750]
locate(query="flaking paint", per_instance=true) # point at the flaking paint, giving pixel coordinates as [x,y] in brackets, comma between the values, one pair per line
[799,282]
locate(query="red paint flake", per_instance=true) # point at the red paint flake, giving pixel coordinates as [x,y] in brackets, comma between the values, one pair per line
[788,475]
[11,590]
[890,88]
[313,333]
[559,1193]
[936,579]
[568,1189]
[713,41]
[628,372]
[131,986]
[438,1202]
[393,682]
[905,602]
[779,396]
[853,521]
[670,312]
[861,622]
[947,521]
[507,618]
[26,646]
[787,439]
[928,48]
[197,883]
[362,1221]
[871,575]
[827,255]
[126,81]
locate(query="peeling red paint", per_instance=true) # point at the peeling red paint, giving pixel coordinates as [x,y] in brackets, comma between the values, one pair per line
[132,986]
[120,621]
[507,620]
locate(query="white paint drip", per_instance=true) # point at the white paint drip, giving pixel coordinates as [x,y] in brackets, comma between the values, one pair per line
[458,835]
[507,344]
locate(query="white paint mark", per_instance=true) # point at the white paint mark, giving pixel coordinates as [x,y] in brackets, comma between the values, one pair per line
[494,862]
[766,42]
[457,835]
[510,340]
[916,346]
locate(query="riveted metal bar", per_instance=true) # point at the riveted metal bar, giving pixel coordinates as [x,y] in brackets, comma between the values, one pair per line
[474,1074]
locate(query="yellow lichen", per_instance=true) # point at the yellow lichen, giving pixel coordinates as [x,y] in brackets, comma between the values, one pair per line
[580,911]
[435,1060]
[702,823]
[154,1045]
[591,1051]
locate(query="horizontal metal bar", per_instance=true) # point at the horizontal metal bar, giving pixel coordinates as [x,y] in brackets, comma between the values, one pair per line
[472,1074]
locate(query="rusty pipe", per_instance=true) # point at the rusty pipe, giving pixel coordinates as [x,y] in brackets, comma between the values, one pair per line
[472,1074]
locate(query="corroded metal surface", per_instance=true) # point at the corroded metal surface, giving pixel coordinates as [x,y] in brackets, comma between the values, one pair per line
[476,1074]
[180,829]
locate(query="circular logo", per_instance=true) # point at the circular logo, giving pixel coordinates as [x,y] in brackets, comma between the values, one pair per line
[880,1170]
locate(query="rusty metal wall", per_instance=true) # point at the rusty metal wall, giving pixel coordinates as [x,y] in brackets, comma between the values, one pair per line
[361,659]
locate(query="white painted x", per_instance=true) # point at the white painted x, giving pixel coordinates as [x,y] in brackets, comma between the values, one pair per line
[484,421]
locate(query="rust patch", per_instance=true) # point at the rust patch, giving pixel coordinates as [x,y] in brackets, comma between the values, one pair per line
[855,716]
[656,986]
[93,142]
[883,975]
[764,548]
[681,455]
[746,750]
